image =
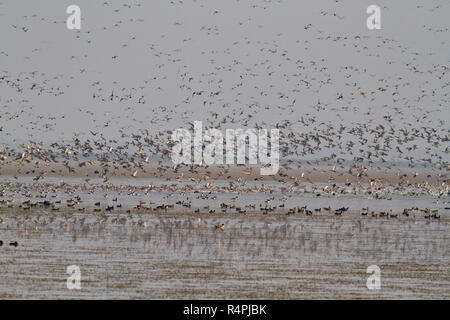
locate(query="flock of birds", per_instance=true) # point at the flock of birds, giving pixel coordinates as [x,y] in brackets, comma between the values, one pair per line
[336,118]
[50,201]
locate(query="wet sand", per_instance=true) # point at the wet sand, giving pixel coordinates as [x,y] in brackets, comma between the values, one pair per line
[287,172]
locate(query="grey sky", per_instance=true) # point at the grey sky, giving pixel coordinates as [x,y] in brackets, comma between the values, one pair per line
[246,57]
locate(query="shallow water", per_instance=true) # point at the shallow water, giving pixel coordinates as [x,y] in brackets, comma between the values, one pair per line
[180,256]
[129,192]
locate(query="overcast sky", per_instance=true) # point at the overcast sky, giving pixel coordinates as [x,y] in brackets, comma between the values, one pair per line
[256,62]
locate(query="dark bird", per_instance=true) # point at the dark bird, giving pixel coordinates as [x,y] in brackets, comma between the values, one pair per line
[14,244]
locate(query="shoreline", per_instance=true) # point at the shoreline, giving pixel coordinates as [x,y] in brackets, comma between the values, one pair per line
[286,173]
